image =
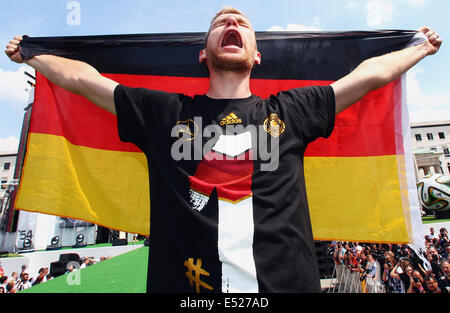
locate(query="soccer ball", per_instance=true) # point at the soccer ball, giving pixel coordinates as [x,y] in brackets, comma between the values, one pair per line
[434,192]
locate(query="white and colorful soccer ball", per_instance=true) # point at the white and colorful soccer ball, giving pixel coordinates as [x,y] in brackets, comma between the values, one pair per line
[434,192]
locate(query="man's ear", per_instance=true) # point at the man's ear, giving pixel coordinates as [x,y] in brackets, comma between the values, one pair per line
[258,58]
[202,56]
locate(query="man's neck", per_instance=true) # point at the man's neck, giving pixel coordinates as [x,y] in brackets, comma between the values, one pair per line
[229,85]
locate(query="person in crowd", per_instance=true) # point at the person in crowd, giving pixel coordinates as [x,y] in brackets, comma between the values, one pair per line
[416,283]
[40,278]
[3,281]
[444,279]
[11,286]
[434,259]
[342,251]
[24,269]
[371,267]
[350,260]
[442,240]
[16,278]
[432,234]
[393,285]
[428,242]
[407,254]
[24,281]
[402,271]
[431,285]
[86,262]
[336,249]
[70,269]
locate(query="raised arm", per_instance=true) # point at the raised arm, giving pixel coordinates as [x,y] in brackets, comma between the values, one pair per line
[75,76]
[394,271]
[379,71]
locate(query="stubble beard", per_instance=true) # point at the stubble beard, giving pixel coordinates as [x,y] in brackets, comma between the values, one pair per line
[238,64]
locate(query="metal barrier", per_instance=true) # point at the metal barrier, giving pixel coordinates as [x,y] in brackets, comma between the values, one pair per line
[343,280]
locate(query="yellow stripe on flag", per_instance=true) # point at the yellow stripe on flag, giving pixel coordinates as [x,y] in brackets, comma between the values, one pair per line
[108,188]
[359,191]
[91,184]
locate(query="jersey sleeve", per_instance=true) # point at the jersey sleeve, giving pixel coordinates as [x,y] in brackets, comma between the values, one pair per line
[313,110]
[137,112]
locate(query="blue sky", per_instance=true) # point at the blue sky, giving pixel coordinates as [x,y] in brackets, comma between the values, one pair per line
[428,82]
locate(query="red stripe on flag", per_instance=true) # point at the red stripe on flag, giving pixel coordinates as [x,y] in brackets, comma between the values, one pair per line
[358,132]
[62,113]
[367,128]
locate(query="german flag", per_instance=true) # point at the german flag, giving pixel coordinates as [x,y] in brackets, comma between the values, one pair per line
[360,181]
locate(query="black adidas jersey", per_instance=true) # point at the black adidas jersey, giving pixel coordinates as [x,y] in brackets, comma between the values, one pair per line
[229,211]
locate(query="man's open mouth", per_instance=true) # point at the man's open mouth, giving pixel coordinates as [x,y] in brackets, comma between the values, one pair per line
[232,38]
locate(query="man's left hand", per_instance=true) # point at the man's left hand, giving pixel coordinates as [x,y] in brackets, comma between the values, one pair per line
[434,42]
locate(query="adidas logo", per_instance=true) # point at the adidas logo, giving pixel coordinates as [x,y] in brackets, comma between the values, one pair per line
[230,119]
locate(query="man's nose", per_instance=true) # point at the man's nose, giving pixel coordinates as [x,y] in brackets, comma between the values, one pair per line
[231,21]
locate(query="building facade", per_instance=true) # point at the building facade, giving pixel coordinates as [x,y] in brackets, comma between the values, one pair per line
[431,147]
[7,166]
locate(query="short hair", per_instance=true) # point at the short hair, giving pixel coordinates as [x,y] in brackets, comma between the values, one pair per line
[225,10]
[10,285]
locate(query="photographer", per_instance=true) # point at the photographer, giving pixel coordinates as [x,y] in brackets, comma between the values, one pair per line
[446,253]
[442,241]
[416,283]
[444,280]
[397,250]
[393,285]
[350,260]
[434,259]
[402,271]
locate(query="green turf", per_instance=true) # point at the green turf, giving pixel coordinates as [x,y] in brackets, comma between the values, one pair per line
[126,273]
[431,219]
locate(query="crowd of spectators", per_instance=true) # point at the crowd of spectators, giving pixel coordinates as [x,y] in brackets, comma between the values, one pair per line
[18,282]
[399,268]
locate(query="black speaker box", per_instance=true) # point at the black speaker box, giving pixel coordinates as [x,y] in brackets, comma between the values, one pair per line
[119,242]
[69,257]
[58,268]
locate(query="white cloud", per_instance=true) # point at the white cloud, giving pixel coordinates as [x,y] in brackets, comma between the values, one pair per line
[351,4]
[299,27]
[423,106]
[9,145]
[379,12]
[12,86]
[295,27]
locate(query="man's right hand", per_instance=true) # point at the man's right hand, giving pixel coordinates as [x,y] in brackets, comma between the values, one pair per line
[12,50]
[72,75]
